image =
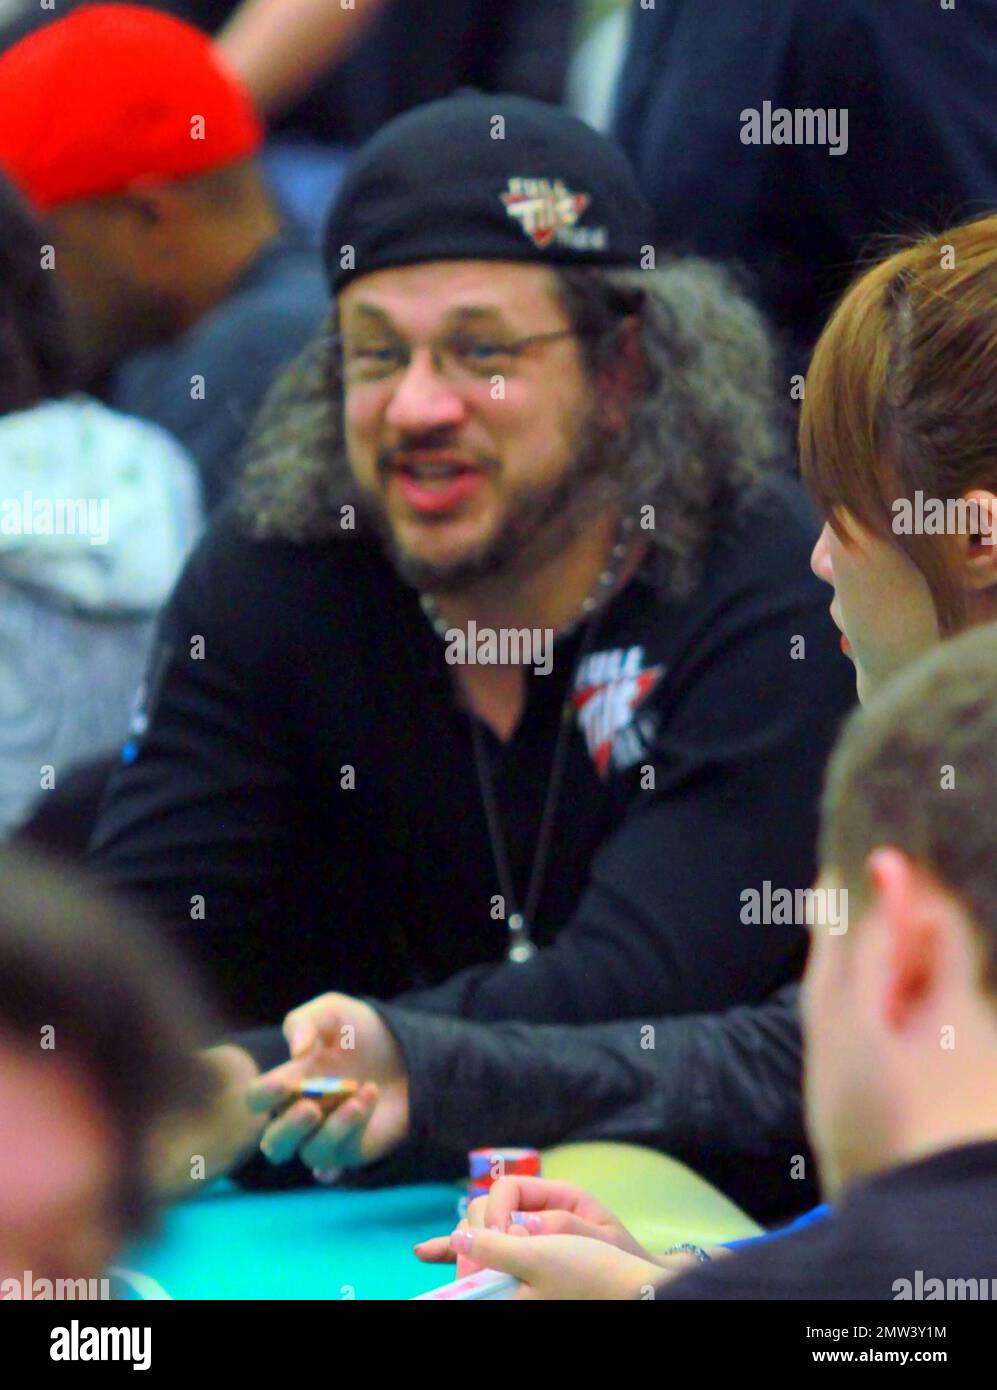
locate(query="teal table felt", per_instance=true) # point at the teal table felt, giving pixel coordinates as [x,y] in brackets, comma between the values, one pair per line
[316,1243]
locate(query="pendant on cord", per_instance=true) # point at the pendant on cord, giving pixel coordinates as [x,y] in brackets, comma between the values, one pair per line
[521,948]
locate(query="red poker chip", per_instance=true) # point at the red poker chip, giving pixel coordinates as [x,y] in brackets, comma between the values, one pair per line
[489,1164]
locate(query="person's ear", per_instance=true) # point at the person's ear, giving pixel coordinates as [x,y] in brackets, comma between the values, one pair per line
[153,204]
[158,233]
[622,380]
[907,908]
[980,552]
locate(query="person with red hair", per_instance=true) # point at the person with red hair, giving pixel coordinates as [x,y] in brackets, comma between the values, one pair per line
[897,449]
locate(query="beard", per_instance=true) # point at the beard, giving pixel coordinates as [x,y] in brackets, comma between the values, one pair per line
[540,520]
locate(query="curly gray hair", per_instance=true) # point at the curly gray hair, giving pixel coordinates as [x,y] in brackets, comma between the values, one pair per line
[708,420]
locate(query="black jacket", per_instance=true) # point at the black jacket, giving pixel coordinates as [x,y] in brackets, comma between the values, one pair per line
[316,656]
[281,666]
[924,1230]
[720,1091]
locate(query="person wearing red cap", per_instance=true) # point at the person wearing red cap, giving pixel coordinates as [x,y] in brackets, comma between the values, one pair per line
[172,251]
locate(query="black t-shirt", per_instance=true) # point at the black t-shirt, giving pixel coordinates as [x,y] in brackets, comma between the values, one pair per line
[302,808]
[925,1230]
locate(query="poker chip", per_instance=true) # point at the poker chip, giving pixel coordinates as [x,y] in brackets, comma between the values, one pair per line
[327,1091]
[488,1165]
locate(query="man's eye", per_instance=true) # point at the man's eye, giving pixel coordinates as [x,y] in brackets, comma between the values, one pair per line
[479,351]
[373,352]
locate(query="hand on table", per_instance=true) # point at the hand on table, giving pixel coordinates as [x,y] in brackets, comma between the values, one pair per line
[335,1035]
[538,1206]
[534,1206]
[559,1267]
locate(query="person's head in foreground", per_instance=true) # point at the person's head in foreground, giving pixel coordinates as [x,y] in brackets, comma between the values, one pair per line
[505,375]
[97,1038]
[897,448]
[124,130]
[899,1009]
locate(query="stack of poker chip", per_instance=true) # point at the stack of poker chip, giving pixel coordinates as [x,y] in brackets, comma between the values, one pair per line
[488,1165]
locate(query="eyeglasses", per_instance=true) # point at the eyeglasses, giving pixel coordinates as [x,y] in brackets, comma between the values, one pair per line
[461,358]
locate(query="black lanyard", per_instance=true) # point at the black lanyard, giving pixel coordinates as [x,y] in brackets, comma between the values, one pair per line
[521,946]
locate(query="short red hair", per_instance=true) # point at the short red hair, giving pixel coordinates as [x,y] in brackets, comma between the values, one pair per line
[901,396]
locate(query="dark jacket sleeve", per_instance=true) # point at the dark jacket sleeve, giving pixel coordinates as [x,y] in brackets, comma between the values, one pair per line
[201,821]
[719,1091]
[662,926]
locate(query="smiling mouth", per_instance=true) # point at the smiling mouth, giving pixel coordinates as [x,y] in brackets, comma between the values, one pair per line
[432,472]
[428,464]
[434,485]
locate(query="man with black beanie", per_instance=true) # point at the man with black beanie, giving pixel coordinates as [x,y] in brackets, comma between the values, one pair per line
[473,699]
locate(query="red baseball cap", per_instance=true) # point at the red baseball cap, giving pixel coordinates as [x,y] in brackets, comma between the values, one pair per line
[113,94]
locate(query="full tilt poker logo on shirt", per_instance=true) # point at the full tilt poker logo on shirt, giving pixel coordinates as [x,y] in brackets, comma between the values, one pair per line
[610,694]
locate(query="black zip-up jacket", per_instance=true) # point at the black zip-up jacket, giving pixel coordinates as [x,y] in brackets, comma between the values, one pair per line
[300,805]
[720,1091]
[692,775]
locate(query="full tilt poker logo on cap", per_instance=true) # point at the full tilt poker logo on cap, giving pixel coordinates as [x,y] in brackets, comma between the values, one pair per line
[547,211]
[441,182]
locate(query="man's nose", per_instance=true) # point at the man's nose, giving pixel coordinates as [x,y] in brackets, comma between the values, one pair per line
[423,399]
[820,558]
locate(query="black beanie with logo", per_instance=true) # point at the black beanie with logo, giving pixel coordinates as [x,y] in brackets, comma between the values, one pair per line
[478,176]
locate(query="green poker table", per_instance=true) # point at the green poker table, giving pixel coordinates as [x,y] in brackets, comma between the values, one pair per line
[325,1243]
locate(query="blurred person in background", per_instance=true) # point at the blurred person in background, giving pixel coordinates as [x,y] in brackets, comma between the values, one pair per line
[188,289]
[97,514]
[326,76]
[918,84]
[98,1032]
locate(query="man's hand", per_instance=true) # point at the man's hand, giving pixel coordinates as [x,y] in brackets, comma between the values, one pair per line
[335,1035]
[560,1267]
[536,1206]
